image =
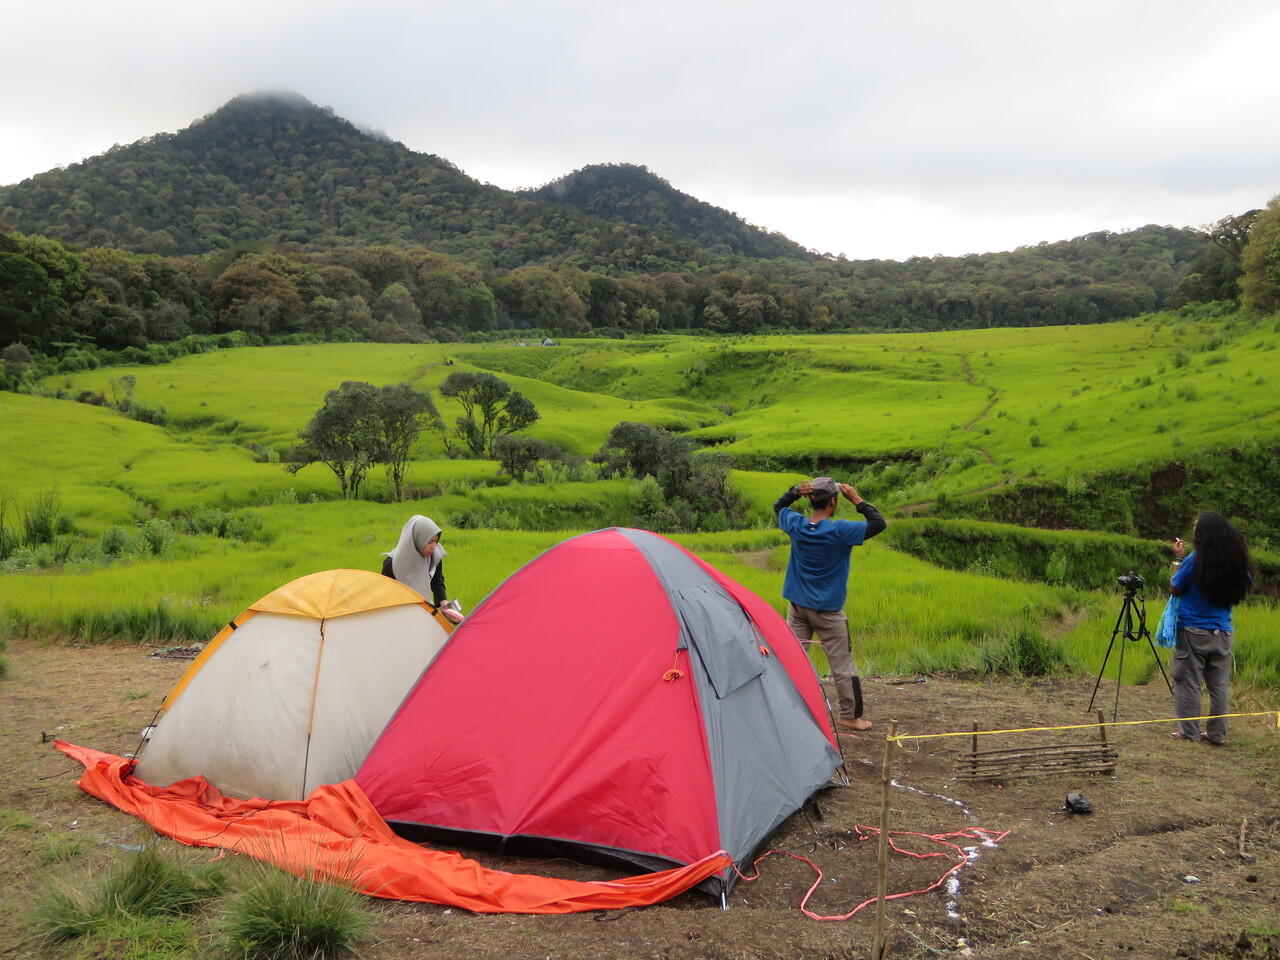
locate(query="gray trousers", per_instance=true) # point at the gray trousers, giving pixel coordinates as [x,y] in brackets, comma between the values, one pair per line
[1201,657]
[832,630]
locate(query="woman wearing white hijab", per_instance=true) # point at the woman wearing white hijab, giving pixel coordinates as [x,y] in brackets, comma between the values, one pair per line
[418,559]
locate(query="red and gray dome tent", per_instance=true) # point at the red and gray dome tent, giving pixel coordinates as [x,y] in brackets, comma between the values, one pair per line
[615,700]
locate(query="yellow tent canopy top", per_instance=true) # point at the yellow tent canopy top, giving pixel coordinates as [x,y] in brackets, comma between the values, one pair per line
[321,596]
[336,593]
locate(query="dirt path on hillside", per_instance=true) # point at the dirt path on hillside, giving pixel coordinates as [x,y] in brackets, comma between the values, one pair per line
[993,395]
[993,398]
[913,508]
[1112,884]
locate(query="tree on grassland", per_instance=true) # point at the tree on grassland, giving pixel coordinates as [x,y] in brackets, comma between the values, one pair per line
[401,411]
[346,435]
[489,407]
[695,487]
[519,455]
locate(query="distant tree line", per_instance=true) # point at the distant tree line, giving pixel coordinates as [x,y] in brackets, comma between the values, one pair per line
[80,307]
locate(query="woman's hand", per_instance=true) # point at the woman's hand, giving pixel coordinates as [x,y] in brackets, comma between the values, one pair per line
[1179,547]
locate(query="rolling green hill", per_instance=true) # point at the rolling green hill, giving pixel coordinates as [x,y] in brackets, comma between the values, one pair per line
[1124,429]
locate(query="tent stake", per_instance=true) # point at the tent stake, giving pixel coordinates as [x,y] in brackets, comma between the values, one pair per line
[880,947]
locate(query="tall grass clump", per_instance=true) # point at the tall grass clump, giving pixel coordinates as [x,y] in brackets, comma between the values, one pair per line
[278,916]
[1027,652]
[145,884]
[30,526]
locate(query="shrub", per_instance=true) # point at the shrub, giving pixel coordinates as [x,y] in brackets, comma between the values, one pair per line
[157,534]
[714,522]
[116,541]
[23,558]
[282,917]
[518,455]
[245,526]
[42,519]
[145,884]
[1035,655]
[149,883]
[208,520]
[1055,571]
[1035,440]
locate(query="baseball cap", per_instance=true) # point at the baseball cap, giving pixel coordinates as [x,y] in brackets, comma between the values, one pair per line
[824,485]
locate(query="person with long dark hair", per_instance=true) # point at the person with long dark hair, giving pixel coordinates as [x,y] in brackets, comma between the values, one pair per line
[1209,582]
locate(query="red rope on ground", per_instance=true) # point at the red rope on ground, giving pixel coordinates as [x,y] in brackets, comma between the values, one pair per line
[863,832]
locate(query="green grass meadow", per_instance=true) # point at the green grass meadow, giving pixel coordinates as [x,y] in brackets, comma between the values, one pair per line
[907,417]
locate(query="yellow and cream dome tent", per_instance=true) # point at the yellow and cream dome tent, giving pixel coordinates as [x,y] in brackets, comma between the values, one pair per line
[293,692]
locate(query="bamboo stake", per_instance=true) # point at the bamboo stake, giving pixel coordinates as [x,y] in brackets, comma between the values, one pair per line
[880,946]
[1102,731]
[975,745]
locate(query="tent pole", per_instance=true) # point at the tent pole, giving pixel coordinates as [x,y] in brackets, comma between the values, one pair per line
[880,948]
[311,714]
[831,719]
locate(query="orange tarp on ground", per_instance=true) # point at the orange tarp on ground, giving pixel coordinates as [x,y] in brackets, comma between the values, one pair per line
[336,834]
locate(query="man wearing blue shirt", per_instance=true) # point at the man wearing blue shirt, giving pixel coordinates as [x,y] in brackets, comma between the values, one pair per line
[817,580]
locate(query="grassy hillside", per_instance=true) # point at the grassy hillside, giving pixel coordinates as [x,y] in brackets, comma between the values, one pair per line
[266,395]
[946,424]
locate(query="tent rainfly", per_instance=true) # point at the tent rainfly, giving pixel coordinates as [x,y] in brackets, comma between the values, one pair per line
[293,692]
[615,700]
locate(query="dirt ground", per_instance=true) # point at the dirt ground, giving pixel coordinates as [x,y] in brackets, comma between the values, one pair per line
[1155,871]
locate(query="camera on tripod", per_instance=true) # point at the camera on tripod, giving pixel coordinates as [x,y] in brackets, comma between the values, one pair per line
[1130,625]
[1130,581]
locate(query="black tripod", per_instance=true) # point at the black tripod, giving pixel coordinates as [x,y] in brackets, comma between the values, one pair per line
[1133,609]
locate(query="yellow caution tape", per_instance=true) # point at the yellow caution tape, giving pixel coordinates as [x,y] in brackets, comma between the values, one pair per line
[1078,726]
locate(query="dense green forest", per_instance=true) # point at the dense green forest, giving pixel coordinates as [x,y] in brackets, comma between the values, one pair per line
[278,169]
[60,300]
[631,193]
[272,218]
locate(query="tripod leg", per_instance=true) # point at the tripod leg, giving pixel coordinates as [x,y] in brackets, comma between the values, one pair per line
[1159,663]
[1097,683]
[1145,634]
[1115,710]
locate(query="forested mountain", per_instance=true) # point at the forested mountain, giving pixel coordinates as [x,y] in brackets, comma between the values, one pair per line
[625,191]
[273,218]
[277,169]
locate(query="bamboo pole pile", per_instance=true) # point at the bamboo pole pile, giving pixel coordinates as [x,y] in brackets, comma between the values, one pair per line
[1038,761]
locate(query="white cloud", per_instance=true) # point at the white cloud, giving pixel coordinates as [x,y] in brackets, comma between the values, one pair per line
[877,129]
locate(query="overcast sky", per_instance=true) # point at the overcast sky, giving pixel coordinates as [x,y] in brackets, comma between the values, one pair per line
[877,130]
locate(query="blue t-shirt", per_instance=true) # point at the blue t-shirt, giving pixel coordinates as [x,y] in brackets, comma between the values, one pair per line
[1193,609]
[818,569]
